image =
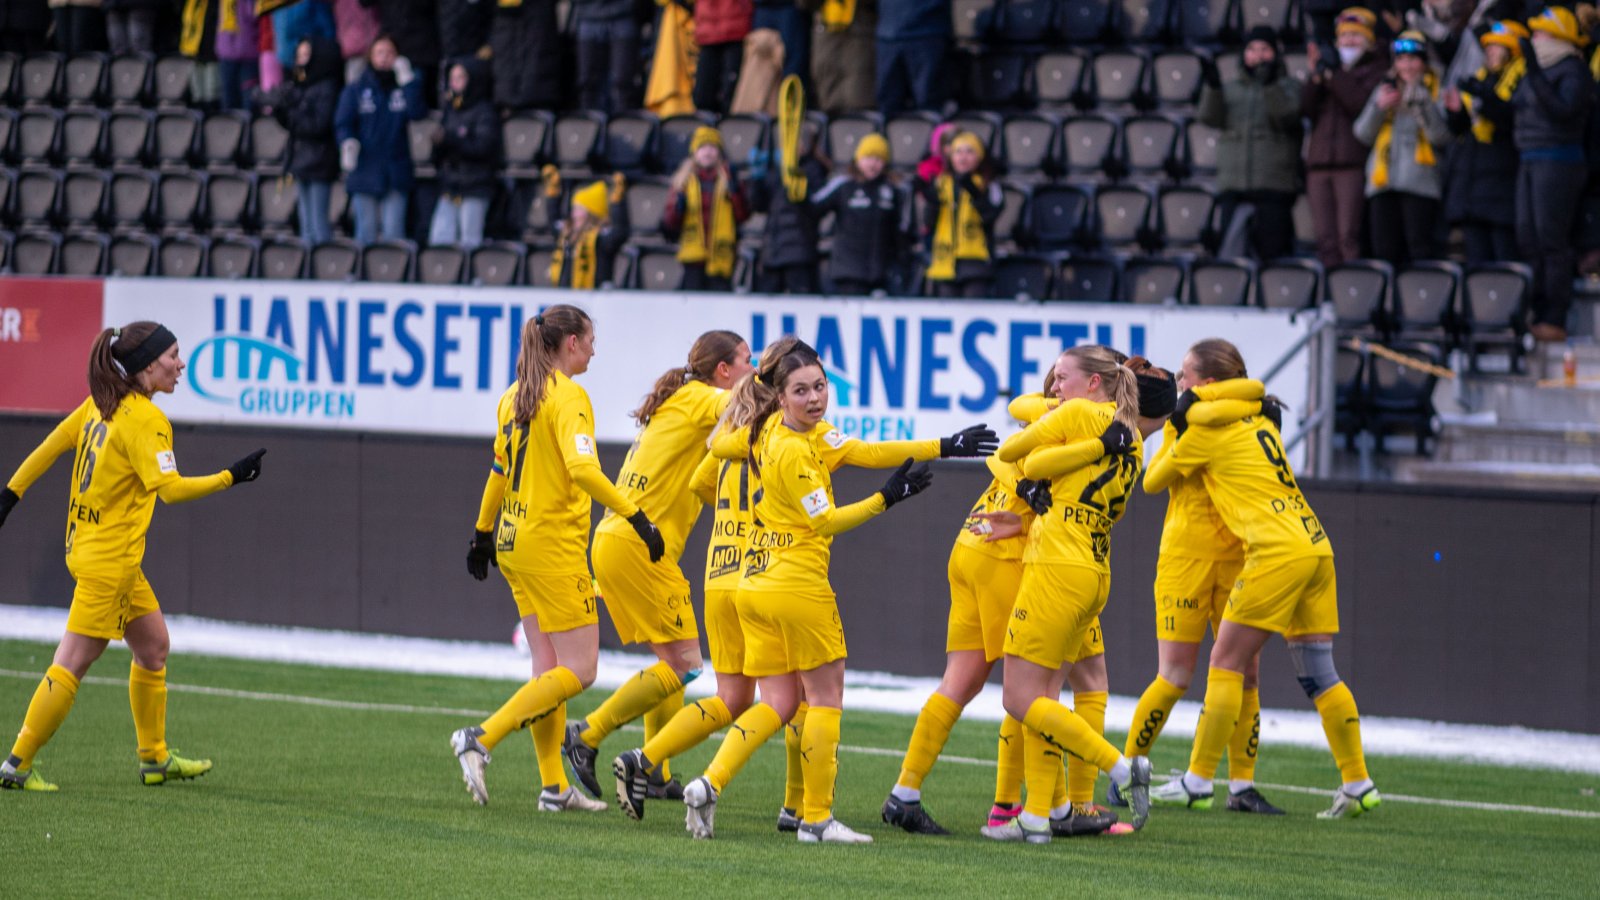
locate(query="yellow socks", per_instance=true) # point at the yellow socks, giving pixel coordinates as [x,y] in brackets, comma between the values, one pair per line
[819,759]
[1218,718]
[643,691]
[747,733]
[1041,766]
[657,719]
[147,695]
[1246,738]
[794,778]
[547,734]
[533,701]
[938,716]
[693,724]
[1067,731]
[52,700]
[1081,775]
[1150,716]
[1340,722]
[1008,774]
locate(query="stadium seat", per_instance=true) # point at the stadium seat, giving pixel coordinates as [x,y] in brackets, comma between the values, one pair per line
[84,254]
[1200,149]
[536,224]
[659,269]
[388,262]
[1359,292]
[1058,216]
[133,255]
[908,135]
[83,134]
[1085,21]
[267,151]
[1351,395]
[336,260]
[132,194]
[229,202]
[419,135]
[1009,226]
[441,264]
[181,256]
[1024,276]
[338,208]
[972,19]
[524,137]
[38,198]
[169,83]
[1022,22]
[178,199]
[744,133]
[1150,147]
[176,138]
[1144,21]
[283,259]
[84,194]
[1122,216]
[1185,219]
[128,79]
[8,72]
[1089,146]
[35,253]
[1030,140]
[998,79]
[1090,279]
[1282,16]
[622,269]
[1117,79]
[1058,80]
[38,79]
[1402,396]
[631,142]
[1206,21]
[536,267]
[578,142]
[1221,282]
[223,137]
[672,141]
[1293,283]
[845,131]
[38,136]
[277,205]
[1230,65]
[1425,295]
[1494,310]
[1175,79]
[83,79]
[1153,281]
[234,256]
[646,200]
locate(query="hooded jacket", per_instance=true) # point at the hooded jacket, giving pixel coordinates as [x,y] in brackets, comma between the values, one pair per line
[1551,105]
[305,106]
[1332,106]
[1480,180]
[374,110]
[791,229]
[469,152]
[1259,119]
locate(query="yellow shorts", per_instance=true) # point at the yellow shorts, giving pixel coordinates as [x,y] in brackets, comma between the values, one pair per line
[562,600]
[648,601]
[982,589]
[789,632]
[1056,607]
[1191,593]
[724,632]
[1094,642]
[103,605]
[1290,597]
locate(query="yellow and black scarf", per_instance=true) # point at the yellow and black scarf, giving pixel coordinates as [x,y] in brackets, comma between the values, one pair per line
[1510,76]
[1380,150]
[718,259]
[194,24]
[585,260]
[959,232]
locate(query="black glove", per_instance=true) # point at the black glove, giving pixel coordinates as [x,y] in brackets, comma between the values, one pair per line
[480,554]
[974,440]
[1209,76]
[905,482]
[1036,494]
[249,468]
[1117,438]
[1528,56]
[1180,413]
[1273,410]
[8,499]
[650,534]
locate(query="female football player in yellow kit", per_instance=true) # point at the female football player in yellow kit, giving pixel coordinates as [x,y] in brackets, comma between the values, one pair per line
[123,462]
[649,601]
[1287,585]
[533,523]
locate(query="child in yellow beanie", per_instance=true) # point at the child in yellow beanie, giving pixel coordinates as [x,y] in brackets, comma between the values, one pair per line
[962,204]
[594,230]
[870,210]
[703,211]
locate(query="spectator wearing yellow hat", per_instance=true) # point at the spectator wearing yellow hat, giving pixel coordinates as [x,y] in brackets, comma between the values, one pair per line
[589,237]
[870,219]
[1550,117]
[703,211]
[1480,180]
[1405,127]
[961,205]
[1334,94]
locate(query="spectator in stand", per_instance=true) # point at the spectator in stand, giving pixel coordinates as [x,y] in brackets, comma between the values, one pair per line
[1258,151]
[238,56]
[869,221]
[23,25]
[374,146]
[960,207]
[299,22]
[608,54]
[1480,180]
[703,212]
[1333,96]
[930,166]
[793,24]
[305,105]
[1405,127]
[356,27]
[789,245]
[913,43]
[844,66]
[413,26]
[464,28]
[131,24]
[719,29]
[467,151]
[80,25]
[592,234]
[1550,112]
[528,52]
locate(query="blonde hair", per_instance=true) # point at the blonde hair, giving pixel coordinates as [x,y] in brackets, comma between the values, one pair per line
[1218,359]
[536,362]
[709,350]
[1117,380]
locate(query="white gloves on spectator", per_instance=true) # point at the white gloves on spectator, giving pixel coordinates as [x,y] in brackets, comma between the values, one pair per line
[349,153]
[404,74]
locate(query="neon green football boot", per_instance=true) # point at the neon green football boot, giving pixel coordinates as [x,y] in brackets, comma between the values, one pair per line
[11,778]
[174,768]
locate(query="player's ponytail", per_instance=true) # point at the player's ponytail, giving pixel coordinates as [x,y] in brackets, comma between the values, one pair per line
[709,350]
[542,336]
[1117,381]
[109,379]
[780,360]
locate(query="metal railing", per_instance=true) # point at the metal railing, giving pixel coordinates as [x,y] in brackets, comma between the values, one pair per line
[1320,344]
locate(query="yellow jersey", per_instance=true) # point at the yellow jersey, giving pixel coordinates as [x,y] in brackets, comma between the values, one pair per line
[793,516]
[656,473]
[1192,527]
[548,470]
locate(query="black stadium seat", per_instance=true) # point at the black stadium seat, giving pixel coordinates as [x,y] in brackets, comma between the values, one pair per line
[128,79]
[84,194]
[133,255]
[1085,21]
[523,139]
[1153,280]
[672,140]
[1024,276]
[388,262]
[1089,146]
[908,135]
[169,84]
[283,259]
[181,256]
[223,139]
[84,254]
[631,142]
[845,131]
[1058,216]
[998,79]
[35,253]
[336,260]
[1026,22]
[176,138]
[1221,282]
[132,194]
[743,133]
[1030,144]
[83,134]
[1359,292]
[1289,284]
[128,136]
[1122,216]
[233,257]
[441,265]
[1091,279]
[83,79]
[1058,80]
[179,196]
[38,79]
[1425,302]
[497,264]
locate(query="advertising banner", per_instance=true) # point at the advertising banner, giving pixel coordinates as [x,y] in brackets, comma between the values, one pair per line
[434,360]
[47,326]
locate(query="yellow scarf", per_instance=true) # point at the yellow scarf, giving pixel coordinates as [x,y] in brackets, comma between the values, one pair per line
[671,85]
[692,243]
[194,24]
[584,260]
[838,15]
[1510,75]
[1380,150]
[791,112]
[959,234]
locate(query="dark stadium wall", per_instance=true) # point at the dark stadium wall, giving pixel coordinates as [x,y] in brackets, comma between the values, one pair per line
[1447,597]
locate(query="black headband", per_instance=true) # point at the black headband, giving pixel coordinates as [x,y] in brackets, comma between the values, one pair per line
[149,350]
[1158,396]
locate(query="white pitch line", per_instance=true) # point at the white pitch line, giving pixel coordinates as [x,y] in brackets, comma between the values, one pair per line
[364,706]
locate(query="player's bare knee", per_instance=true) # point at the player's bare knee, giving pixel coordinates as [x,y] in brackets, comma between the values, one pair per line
[585,671]
[1313,666]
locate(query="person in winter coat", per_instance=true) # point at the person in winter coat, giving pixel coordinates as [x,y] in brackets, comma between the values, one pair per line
[1334,94]
[844,59]
[703,211]
[131,25]
[374,145]
[305,106]
[1258,151]
[238,54]
[869,221]
[913,41]
[298,22]
[1550,111]
[591,235]
[23,25]
[80,25]
[464,27]
[528,56]
[608,54]
[961,205]
[719,29]
[413,26]
[467,151]
[789,245]
[1480,181]
[1405,128]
